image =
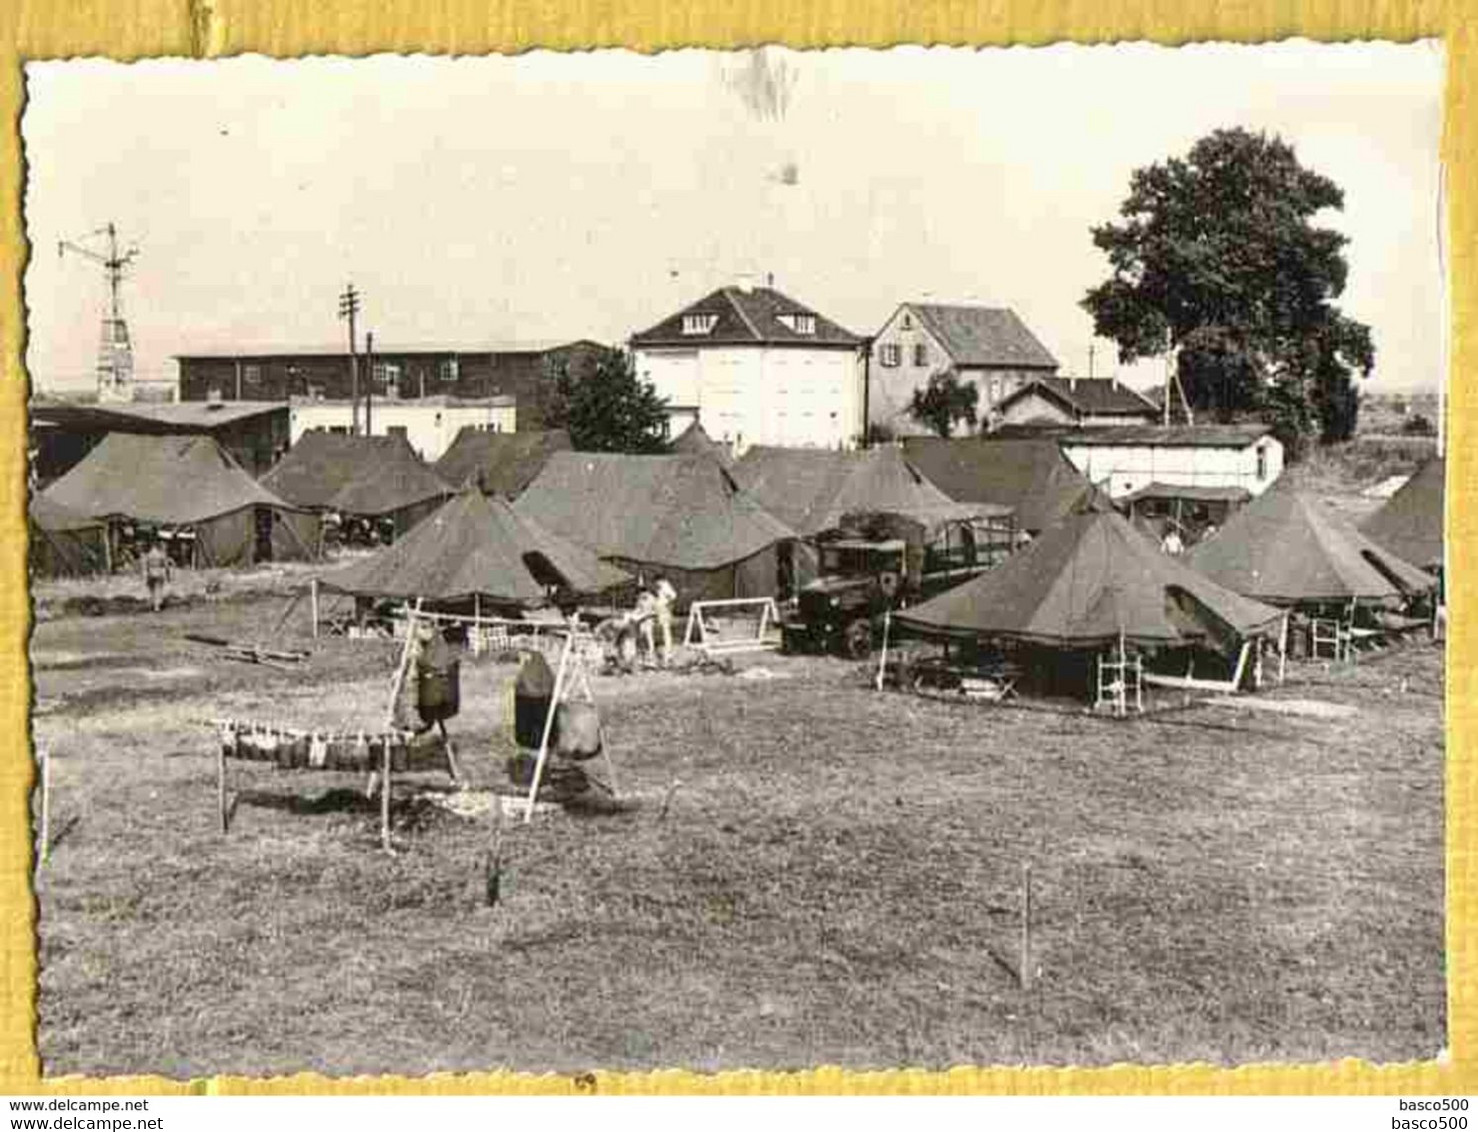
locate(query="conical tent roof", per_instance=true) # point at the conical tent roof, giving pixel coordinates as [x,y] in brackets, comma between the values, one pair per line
[695,441]
[500,463]
[1409,524]
[1030,475]
[1083,583]
[1285,547]
[359,475]
[476,546]
[811,489]
[680,511]
[159,479]
[393,482]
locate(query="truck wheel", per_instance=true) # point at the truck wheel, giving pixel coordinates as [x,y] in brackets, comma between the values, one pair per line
[857,639]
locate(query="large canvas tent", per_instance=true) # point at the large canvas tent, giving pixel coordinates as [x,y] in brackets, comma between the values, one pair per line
[1029,475]
[1287,549]
[681,517]
[499,463]
[64,542]
[818,490]
[811,489]
[187,482]
[372,477]
[476,548]
[1409,524]
[1090,581]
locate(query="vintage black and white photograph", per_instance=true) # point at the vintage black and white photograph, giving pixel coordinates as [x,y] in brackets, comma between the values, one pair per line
[737,560]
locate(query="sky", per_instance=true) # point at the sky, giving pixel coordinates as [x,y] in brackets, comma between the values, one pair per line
[589,195]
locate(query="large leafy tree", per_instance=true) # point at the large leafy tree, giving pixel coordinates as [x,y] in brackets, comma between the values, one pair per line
[1217,257]
[943,401]
[606,407]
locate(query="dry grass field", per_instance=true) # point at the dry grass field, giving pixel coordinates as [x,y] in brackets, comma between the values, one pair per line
[835,881]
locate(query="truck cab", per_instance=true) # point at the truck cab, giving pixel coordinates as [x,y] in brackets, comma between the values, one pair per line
[877,563]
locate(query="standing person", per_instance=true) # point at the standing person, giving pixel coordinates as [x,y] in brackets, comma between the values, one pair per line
[1172,544]
[157,571]
[645,615]
[665,596]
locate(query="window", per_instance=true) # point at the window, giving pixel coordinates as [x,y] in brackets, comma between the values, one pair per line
[339,430]
[448,370]
[396,430]
[890,354]
[907,321]
[798,323]
[995,390]
[1262,462]
[921,354]
[699,323]
[251,373]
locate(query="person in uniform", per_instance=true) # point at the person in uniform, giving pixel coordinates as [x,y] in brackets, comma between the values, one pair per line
[665,596]
[644,616]
[157,571]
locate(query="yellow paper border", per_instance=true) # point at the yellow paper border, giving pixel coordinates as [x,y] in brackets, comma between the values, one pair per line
[131,29]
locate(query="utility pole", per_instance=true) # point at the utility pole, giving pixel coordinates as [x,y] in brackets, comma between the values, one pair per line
[349,309]
[1090,359]
[369,384]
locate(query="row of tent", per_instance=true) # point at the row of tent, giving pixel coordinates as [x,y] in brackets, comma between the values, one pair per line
[717,528]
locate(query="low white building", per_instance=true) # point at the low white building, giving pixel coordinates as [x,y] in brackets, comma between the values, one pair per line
[1081,402]
[753,366]
[1124,458]
[429,424]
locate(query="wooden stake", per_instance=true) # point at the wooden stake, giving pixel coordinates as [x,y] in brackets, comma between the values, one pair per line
[883,656]
[221,811]
[45,805]
[385,796]
[313,597]
[1026,924]
[559,682]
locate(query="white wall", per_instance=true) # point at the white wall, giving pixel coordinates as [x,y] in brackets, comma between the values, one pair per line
[430,428]
[1124,469]
[745,395]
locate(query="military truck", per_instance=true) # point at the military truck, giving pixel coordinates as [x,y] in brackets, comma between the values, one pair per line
[877,562]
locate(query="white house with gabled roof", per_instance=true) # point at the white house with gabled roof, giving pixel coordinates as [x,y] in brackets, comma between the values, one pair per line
[754,366]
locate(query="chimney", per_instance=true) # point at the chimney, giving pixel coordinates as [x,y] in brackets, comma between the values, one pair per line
[770,280]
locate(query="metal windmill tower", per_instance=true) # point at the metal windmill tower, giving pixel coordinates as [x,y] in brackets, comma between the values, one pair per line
[115,351]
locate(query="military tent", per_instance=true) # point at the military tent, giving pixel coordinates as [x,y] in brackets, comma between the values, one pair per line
[1087,582]
[500,463]
[65,542]
[811,489]
[1029,475]
[679,517]
[187,481]
[695,441]
[1286,548]
[373,477]
[1409,524]
[478,547]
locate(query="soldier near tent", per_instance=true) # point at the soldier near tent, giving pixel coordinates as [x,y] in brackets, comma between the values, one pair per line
[157,570]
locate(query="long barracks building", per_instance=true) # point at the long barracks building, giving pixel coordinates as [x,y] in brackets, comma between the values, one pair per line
[397,372]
